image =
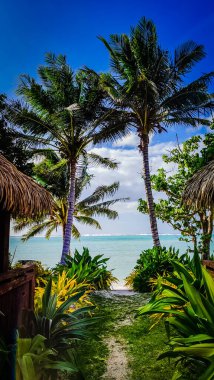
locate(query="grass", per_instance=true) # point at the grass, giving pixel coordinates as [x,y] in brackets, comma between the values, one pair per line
[117,318]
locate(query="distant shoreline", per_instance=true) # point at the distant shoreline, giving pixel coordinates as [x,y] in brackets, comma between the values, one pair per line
[104,235]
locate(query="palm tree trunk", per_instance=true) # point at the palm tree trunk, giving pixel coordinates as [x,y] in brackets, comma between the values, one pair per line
[207,227]
[71,204]
[144,145]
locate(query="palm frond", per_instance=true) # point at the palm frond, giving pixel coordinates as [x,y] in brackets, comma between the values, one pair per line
[104,161]
[99,194]
[88,221]
[75,232]
[100,211]
[187,55]
[37,229]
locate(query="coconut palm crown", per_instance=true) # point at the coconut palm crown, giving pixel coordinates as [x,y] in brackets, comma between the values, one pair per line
[150,86]
[65,111]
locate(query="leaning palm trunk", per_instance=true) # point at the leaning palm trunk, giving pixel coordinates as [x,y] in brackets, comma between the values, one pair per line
[144,145]
[71,204]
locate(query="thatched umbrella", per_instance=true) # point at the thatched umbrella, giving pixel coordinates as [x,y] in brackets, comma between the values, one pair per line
[199,192]
[20,195]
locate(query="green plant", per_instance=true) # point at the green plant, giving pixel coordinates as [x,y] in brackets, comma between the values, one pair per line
[64,287]
[152,263]
[60,325]
[34,361]
[187,298]
[84,267]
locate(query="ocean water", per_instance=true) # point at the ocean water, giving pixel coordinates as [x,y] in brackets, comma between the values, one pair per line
[123,251]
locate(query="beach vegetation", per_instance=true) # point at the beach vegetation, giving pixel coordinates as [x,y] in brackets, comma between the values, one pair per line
[64,287]
[152,263]
[85,268]
[35,361]
[60,319]
[186,299]
[195,225]
[151,87]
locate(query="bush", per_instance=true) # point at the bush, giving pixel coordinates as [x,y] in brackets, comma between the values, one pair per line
[63,287]
[151,264]
[187,299]
[87,269]
[60,318]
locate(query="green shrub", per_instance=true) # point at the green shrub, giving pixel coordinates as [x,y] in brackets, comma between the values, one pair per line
[34,361]
[61,323]
[187,299]
[151,264]
[85,268]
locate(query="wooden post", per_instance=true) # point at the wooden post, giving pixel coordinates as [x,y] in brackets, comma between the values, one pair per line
[4,240]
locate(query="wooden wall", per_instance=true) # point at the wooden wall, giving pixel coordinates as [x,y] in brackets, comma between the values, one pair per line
[16,294]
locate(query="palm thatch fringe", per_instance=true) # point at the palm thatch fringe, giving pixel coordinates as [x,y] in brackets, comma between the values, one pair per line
[21,195]
[199,192]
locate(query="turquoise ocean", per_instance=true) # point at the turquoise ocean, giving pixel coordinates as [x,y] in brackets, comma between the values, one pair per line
[122,250]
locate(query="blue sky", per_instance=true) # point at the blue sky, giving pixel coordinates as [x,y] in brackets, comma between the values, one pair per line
[28,29]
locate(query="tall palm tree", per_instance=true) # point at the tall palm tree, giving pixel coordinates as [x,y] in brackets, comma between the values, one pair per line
[150,86]
[85,211]
[66,112]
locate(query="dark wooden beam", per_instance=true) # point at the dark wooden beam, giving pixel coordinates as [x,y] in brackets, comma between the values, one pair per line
[4,240]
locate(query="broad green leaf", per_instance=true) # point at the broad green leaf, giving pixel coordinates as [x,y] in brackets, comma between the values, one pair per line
[209,284]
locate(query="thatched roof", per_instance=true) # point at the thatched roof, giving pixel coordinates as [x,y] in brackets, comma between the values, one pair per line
[20,194]
[199,192]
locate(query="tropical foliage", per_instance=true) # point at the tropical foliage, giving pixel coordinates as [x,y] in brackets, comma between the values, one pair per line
[64,287]
[58,319]
[35,361]
[12,144]
[195,225]
[153,262]
[83,267]
[187,299]
[67,112]
[151,87]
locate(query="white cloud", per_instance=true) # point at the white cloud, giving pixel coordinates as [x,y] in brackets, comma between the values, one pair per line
[131,140]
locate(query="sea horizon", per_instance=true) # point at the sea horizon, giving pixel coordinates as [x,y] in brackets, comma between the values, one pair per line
[122,250]
[85,235]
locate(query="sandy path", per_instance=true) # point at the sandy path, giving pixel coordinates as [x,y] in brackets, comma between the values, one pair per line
[117,364]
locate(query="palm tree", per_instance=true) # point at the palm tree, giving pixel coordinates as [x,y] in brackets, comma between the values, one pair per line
[84,211]
[66,112]
[149,85]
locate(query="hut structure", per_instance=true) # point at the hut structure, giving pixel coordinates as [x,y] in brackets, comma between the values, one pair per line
[19,196]
[199,194]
